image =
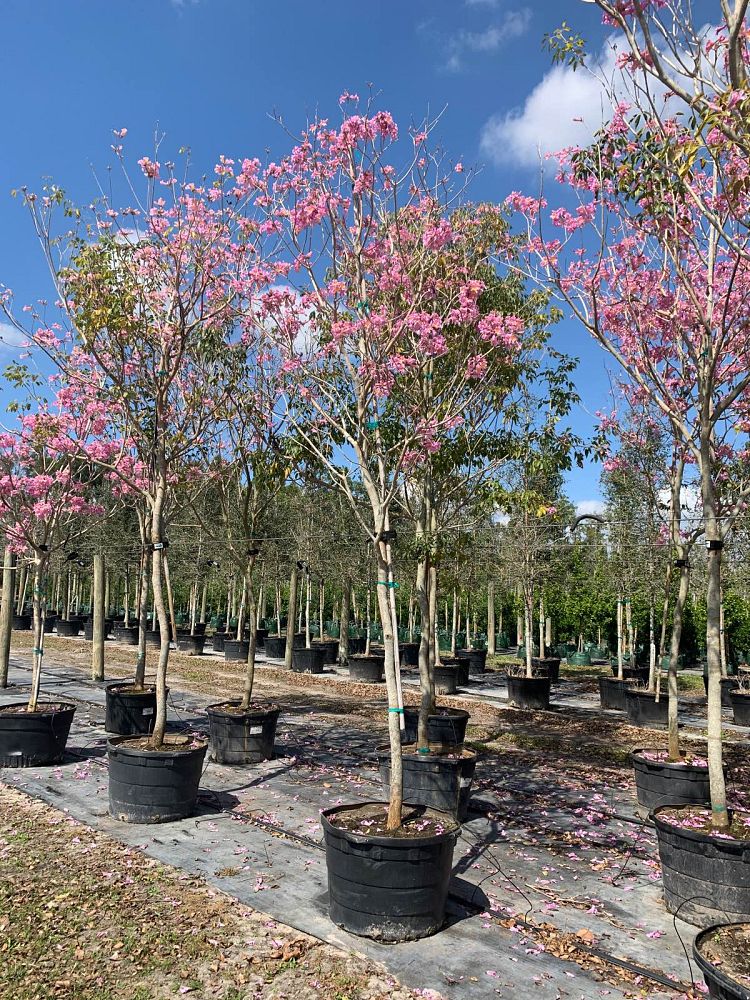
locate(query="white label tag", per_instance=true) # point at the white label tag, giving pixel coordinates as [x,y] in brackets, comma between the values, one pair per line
[147,711]
[464,782]
[255,730]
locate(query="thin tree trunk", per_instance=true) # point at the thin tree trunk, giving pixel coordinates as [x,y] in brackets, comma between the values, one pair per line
[491,641]
[251,646]
[344,622]
[97,644]
[6,613]
[674,652]
[291,615]
[395,710]
[308,589]
[170,597]
[38,604]
[620,664]
[541,626]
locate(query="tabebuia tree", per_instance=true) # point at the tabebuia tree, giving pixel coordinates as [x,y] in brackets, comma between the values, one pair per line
[153,298]
[48,499]
[388,269]
[650,252]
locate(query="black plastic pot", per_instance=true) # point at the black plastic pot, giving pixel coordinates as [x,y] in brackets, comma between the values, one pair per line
[153,637]
[741,707]
[461,665]
[388,888]
[31,739]
[728,685]
[308,661]
[477,659]
[549,665]
[22,623]
[261,634]
[199,628]
[720,986]
[637,674]
[644,710]
[529,692]
[660,783]
[445,728]
[236,650]
[445,680]
[191,644]
[706,879]
[298,640]
[330,648]
[69,629]
[217,641]
[242,739]
[276,646]
[357,644]
[49,625]
[88,628]
[612,693]
[409,654]
[366,669]
[153,786]
[128,636]
[128,712]
[433,779]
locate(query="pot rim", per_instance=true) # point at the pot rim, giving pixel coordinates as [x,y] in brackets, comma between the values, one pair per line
[258,713]
[706,964]
[440,750]
[381,840]
[148,689]
[115,743]
[64,706]
[669,764]
[698,835]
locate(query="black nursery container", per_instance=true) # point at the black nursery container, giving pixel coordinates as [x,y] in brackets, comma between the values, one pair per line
[153,786]
[460,664]
[638,675]
[128,635]
[660,783]
[217,641]
[88,628]
[409,654]
[531,693]
[245,738]
[728,686]
[706,879]
[438,780]
[31,739]
[191,644]
[741,707]
[22,623]
[236,650]
[477,659]
[261,634]
[276,646]
[366,669]
[644,710]
[720,986]
[612,693]
[69,629]
[388,888]
[128,711]
[549,665]
[446,680]
[330,648]
[445,728]
[308,661]
[153,637]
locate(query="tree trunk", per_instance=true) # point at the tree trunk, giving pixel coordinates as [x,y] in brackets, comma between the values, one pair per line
[253,638]
[674,652]
[6,613]
[38,603]
[620,665]
[21,595]
[344,622]
[652,686]
[140,666]
[529,638]
[308,595]
[719,812]
[170,598]
[291,616]
[204,598]
[97,644]
[541,625]
[395,709]
[160,578]
[491,642]
[368,622]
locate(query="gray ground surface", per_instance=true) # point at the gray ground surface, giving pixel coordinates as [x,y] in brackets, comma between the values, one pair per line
[560,846]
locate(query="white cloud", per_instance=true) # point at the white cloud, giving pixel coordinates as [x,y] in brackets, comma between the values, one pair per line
[10,338]
[590,507]
[492,38]
[565,108]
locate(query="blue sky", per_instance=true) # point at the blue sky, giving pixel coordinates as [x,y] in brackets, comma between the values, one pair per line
[210,73]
